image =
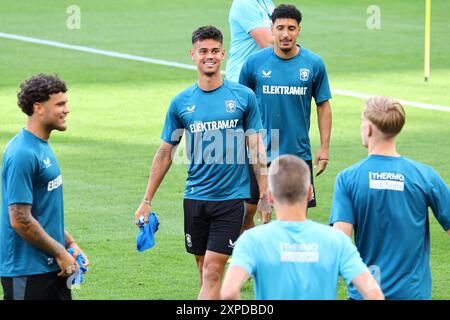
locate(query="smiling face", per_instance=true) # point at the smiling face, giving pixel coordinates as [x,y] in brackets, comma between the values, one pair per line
[208,55]
[53,112]
[285,32]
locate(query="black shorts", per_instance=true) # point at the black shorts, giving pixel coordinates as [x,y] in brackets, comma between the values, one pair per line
[212,225]
[254,190]
[47,286]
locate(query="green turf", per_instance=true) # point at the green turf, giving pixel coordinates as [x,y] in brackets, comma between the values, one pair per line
[118,108]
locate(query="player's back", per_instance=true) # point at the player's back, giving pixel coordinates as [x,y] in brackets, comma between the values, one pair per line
[390,197]
[297,260]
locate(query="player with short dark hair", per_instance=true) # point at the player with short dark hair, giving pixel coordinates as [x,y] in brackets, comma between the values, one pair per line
[218,117]
[294,258]
[34,262]
[285,78]
[385,199]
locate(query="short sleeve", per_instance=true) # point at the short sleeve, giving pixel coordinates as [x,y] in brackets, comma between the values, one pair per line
[439,199]
[351,264]
[173,127]
[243,253]
[248,15]
[321,88]
[20,172]
[252,120]
[341,207]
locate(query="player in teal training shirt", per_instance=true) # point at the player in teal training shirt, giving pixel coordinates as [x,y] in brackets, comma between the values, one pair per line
[285,78]
[250,23]
[34,263]
[295,258]
[218,116]
[385,199]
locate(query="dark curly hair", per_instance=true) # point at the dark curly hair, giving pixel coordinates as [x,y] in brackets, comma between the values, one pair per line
[205,33]
[286,11]
[38,89]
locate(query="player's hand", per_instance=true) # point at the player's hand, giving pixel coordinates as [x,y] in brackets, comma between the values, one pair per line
[76,251]
[67,264]
[143,210]
[322,159]
[264,210]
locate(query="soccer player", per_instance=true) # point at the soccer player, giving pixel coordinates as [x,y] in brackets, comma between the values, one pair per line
[295,258]
[217,114]
[34,262]
[385,199]
[250,23]
[285,78]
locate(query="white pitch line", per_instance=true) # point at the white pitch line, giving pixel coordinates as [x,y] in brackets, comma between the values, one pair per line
[126,56]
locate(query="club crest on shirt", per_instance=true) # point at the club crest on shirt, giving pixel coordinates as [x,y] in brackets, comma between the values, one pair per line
[304,74]
[230,105]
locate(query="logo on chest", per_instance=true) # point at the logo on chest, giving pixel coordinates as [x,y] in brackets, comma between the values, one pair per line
[230,106]
[266,74]
[304,74]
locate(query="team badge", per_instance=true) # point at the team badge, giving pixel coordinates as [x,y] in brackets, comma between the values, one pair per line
[230,105]
[304,74]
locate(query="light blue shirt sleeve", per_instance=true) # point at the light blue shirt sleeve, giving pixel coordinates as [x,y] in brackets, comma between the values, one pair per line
[439,199]
[351,264]
[321,89]
[20,174]
[173,127]
[243,253]
[247,14]
[341,207]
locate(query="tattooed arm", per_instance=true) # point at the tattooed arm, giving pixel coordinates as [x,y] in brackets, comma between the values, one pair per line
[258,160]
[29,228]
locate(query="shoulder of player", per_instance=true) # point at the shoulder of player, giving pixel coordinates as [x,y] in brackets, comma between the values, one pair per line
[181,97]
[326,232]
[311,56]
[261,55]
[349,173]
[240,91]
[425,170]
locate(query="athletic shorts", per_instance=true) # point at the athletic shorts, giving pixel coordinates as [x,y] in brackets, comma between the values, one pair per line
[212,225]
[254,190]
[47,286]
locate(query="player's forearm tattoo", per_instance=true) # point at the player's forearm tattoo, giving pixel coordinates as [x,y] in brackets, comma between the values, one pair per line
[259,159]
[30,229]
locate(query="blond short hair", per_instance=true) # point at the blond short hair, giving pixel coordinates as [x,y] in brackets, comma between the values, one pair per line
[289,179]
[386,113]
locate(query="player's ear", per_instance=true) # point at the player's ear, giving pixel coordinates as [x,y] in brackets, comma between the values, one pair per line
[310,193]
[38,108]
[369,129]
[191,53]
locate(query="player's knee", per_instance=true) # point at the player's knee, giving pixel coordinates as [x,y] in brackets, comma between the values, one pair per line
[212,273]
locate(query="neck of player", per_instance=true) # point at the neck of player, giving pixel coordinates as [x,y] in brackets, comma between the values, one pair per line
[38,129]
[295,212]
[209,82]
[287,54]
[383,147]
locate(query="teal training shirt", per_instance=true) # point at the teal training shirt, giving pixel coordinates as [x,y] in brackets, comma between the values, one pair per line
[245,16]
[297,260]
[284,89]
[30,175]
[215,123]
[387,200]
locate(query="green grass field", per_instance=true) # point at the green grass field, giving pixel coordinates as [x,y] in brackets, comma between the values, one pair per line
[118,107]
